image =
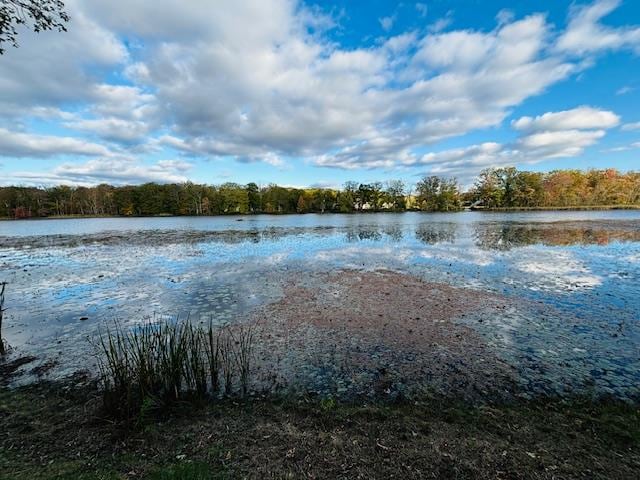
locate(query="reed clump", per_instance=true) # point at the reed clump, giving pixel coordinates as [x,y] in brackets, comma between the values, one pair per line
[3,348]
[158,364]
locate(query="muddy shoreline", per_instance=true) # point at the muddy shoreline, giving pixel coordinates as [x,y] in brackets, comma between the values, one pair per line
[380,334]
[357,374]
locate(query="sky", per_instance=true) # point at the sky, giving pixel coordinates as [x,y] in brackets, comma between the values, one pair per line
[319,93]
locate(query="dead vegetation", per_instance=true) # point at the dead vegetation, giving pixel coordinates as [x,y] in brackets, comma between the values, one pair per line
[57,432]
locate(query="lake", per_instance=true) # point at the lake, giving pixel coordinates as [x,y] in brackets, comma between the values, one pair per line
[571,280]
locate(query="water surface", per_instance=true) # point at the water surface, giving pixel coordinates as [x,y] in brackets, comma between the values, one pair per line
[68,278]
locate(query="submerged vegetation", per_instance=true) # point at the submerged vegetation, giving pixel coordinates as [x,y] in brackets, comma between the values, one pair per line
[156,365]
[494,188]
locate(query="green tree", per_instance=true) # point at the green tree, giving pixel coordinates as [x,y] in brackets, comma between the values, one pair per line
[396,194]
[438,194]
[488,188]
[254,198]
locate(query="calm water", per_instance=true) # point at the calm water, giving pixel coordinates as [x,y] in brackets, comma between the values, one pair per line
[67,278]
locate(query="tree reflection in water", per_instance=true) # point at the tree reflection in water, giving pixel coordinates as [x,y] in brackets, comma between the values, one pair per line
[505,236]
[432,233]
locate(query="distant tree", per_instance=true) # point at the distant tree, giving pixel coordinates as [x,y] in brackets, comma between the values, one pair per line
[347,198]
[396,195]
[437,194]
[345,202]
[502,187]
[528,189]
[301,207]
[488,189]
[253,193]
[365,197]
[41,14]
[234,198]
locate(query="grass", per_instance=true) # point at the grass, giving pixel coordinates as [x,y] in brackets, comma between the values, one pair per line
[58,431]
[186,471]
[160,364]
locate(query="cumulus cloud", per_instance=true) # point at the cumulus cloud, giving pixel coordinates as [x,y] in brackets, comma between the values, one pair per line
[585,33]
[113,171]
[18,144]
[577,118]
[197,80]
[114,129]
[280,92]
[50,69]
[552,135]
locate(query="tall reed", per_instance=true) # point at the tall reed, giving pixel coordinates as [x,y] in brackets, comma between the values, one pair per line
[169,361]
[243,338]
[3,349]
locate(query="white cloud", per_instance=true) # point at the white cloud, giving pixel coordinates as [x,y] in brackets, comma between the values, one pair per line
[558,144]
[122,100]
[585,34]
[628,127]
[120,113]
[505,16]
[201,81]
[18,144]
[624,90]
[114,129]
[624,148]
[50,68]
[442,23]
[280,92]
[577,118]
[552,135]
[113,171]
[387,22]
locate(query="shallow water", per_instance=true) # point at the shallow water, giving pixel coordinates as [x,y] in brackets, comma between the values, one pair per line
[577,272]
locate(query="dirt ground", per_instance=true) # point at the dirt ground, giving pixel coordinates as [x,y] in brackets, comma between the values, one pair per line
[56,431]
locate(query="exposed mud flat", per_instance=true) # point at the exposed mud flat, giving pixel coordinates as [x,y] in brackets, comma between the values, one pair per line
[380,333]
[158,237]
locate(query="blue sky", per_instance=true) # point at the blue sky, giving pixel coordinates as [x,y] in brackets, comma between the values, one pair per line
[317,93]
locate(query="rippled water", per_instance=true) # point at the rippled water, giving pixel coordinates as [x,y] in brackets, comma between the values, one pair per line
[67,277]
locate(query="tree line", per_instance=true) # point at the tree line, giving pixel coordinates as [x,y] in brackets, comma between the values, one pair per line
[197,199]
[511,188]
[494,188]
